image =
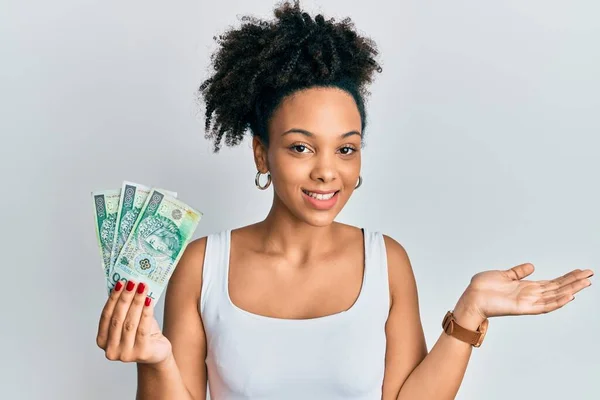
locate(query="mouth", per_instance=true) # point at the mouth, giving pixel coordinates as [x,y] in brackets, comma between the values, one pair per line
[320,195]
[321,200]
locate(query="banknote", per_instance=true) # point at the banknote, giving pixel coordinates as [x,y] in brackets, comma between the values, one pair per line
[158,238]
[105,213]
[133,197]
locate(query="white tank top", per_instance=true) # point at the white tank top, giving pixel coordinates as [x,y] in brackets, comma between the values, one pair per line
[339,356]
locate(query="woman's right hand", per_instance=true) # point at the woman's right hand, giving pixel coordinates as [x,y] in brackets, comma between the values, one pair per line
[128,331]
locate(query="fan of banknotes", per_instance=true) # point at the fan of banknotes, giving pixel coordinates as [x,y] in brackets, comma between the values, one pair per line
[142,233]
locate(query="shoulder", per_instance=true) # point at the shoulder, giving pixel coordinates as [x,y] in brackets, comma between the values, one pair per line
[186,279]
[188,271]
[194,252]
[395,251]
[400,270]
[187,275]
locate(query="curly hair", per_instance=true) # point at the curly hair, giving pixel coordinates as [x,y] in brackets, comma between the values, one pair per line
[262,62]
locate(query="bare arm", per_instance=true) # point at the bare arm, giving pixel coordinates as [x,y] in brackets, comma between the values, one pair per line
[182,376]
[411,372]
[406,346]
[441,373]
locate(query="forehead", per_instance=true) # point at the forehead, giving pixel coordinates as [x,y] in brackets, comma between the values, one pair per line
[318,110]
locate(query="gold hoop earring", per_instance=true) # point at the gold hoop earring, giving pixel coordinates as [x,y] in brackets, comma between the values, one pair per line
[257,183]
[359,182]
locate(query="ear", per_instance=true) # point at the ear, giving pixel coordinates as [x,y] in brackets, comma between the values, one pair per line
[260,154]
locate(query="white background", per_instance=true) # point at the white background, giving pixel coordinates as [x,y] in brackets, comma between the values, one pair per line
[481,153]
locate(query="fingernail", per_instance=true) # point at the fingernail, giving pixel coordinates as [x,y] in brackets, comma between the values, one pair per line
[130,286]
[118,286]
[147,302]
[141,288]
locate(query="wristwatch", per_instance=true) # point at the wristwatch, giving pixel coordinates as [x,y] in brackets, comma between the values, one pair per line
[452,328]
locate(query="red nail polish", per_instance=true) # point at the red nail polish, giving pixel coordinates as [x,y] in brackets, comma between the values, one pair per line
[118,286]
[130,286]
[147,302]
[141,288]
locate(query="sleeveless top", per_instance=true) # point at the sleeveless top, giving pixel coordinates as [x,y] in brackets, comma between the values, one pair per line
[338,356]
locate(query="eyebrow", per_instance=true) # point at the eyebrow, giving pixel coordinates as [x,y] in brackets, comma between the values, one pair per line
[310,134]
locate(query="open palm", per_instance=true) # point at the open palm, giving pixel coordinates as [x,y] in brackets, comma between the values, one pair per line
[505,292]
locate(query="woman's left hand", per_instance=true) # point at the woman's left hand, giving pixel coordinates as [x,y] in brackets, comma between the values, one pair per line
[504,292]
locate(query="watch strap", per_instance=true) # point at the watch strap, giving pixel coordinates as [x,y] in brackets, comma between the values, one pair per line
[452,328]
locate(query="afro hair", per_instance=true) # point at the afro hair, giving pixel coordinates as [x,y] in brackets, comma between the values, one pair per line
[260,63]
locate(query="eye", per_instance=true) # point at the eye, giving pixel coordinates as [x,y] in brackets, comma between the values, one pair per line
[298,148]
[347,150]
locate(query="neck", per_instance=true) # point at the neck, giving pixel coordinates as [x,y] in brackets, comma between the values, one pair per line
[283,233]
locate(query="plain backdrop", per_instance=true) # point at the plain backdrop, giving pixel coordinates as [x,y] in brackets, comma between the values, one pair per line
[482,152]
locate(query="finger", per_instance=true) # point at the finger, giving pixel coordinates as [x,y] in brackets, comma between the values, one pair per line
[106,315]
[521,271]
[131,323]
[117,319]
[562,296]
[144,330]
[556,284]
[571,288]
[554,303]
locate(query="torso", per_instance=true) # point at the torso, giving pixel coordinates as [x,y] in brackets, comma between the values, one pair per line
[295,329]
[266,284]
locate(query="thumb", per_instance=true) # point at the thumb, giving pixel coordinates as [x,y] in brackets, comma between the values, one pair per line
[520,271]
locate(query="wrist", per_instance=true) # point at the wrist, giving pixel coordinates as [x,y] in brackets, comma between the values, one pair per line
[160,366]
[467,312]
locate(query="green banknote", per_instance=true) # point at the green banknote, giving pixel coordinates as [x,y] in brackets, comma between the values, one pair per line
[159,236]
[105,213]
[133,197]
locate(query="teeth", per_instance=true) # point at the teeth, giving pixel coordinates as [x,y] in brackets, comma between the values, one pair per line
[320,196]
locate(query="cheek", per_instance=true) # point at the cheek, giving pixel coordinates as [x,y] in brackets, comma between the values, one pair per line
[350,170]
[289,171]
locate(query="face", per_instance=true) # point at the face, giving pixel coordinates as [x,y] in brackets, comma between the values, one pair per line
[314,155]
[158,244]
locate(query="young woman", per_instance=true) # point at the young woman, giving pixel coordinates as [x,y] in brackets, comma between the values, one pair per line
[298,306]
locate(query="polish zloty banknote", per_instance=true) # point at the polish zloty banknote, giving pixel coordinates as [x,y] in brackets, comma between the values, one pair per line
[133,197]
[106,203]
[160,235]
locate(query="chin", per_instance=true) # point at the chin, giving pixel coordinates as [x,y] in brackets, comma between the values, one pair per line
[320,223]
[316,218]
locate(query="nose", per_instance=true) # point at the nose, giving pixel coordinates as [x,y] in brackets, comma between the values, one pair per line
[324,169]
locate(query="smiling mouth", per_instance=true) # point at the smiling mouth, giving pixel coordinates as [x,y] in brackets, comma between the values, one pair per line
[320,196]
